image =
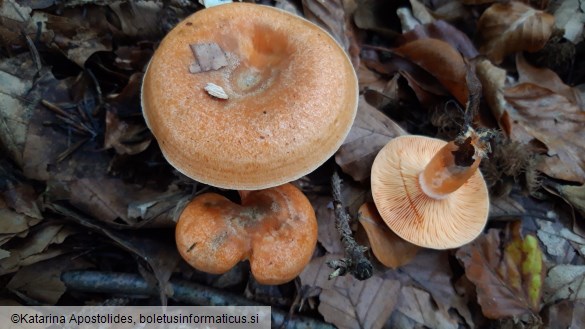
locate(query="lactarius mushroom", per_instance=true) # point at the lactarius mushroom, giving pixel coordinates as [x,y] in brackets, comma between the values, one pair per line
[244,96]
[430,192]
[274,228]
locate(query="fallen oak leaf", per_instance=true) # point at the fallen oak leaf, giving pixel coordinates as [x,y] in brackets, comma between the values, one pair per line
[444,31]
[555,121]
[390,249]
[370,131]
[564,314]
[565,282]
[509,281]
[347,302]
[511,27]
[442,61]
[417,306]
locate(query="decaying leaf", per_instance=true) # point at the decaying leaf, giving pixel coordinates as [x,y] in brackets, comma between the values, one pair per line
[557,246]
[333,16]
[545,78]
[565,282]
[17,101]
[22,198]
[555,121]
[565,314]
[570,17]
[37,246]
[430,270]
[12,223]
[371,130]
[511,27]
[349,303]
[443,31]
[442,61]
[574,195]
[509,281]
[208,57]
[493,81]
[124,137]
[416,309]
[390,249]
[41,282]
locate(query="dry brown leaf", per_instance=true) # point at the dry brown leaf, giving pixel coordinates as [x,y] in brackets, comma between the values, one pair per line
[372,15]
[136,18]
[562,245]
[22,198]
[347,302]
[421,12]
[111,199]
[443,31]
[334,17]
[565,314]
[41,282]
[371,130]
[430,270]
[556,122]
[565,282]
[208,57]
[328,236]
[157,251]
[75,35]
[442,61]
[124,137]
[505,207]
[511,27]
[570,17]
[509,281]
[36,247]
[12,223]
[49,153]
[575,195]
[493,81]
[390,249]
[17,101]
[545,78]
[417,310]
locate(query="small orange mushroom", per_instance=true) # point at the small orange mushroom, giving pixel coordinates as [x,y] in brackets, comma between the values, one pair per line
[430,192]
[275,229]
[244,96]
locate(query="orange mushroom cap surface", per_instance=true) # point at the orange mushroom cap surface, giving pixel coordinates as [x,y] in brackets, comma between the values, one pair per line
[438,222]
[291,96]
[275,229]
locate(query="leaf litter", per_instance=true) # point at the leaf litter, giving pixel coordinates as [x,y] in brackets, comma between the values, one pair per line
[83,184]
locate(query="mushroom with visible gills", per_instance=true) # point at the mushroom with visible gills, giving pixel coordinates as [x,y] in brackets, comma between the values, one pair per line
[430,192]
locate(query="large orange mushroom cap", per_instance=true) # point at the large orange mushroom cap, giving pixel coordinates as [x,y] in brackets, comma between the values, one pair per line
[438,222]
[275,229]
[292,97]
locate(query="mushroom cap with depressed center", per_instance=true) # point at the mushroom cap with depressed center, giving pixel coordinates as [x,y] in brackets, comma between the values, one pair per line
[291,97]
[275,229]
[444,223]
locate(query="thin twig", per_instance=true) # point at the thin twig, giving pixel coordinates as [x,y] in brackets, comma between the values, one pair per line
[355,262]
[183,291]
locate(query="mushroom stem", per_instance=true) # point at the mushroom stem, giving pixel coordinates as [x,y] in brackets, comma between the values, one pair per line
[453,165]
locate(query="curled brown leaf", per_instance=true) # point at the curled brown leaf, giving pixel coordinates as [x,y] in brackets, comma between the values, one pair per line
[511,27]
[442,61]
